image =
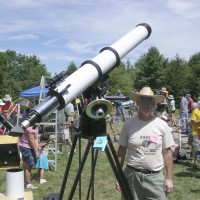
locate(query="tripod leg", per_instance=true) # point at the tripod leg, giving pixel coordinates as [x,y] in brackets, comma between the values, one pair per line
[90,142]
[93,162]
[67,168]
[79,161]
[118,170]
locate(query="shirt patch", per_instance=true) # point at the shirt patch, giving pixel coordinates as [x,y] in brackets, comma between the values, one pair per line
[149,144]
[153,138]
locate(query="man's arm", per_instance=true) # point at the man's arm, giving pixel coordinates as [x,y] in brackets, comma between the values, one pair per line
[195,121]
[168,161]
[121,153]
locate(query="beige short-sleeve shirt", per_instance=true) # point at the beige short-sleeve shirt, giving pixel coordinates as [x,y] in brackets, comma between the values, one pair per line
[145,141]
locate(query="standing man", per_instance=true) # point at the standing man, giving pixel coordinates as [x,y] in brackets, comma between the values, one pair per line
[147,141]
[190,102]
[7,109]
[184,113]
[119,107]
[69,114]
[161,107]
[171,109]
[28,146]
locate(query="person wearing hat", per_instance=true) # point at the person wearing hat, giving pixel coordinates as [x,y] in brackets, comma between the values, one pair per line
[7,107]
[161,108]
[171,109]
[164,90]
[146,142]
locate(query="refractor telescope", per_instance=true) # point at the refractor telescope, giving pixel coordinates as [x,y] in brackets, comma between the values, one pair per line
[90,73]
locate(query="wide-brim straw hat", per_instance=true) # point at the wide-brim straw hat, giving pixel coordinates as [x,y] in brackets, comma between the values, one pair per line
[7,97]
[170,97]
[1,102]
[163,89]
[146,92]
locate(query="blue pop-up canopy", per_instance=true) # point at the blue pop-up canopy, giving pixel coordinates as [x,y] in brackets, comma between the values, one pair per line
[33,92]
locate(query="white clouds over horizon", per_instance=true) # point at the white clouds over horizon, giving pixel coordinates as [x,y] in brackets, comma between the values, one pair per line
[59,32]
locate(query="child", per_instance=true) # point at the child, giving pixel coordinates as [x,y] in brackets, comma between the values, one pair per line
[42,162]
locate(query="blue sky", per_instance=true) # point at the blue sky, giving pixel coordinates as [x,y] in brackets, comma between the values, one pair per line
[61,31]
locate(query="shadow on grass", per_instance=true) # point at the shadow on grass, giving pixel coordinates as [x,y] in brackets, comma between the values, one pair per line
[191,174]
[186,169]
[195,190]
[184,163]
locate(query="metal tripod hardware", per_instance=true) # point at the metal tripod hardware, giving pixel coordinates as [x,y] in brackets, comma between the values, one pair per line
[112,157]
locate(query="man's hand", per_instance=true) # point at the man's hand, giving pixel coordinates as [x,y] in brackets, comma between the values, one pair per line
[168,186]
[118,188]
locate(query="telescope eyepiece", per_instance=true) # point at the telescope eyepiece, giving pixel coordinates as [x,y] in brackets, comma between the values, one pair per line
[100,112]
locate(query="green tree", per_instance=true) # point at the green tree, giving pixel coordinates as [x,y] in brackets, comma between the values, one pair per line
[19,72]
[119,80]
[71,68]
[176,75]
[149,70]
[193,77]
[3,72]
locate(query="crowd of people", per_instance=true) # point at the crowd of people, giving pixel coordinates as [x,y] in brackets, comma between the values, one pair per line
[34,147]
[146,141]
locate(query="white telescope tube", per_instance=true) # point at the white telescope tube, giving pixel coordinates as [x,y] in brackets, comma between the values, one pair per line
[90,72]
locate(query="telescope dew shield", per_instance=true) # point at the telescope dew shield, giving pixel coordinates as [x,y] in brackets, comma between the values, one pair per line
[41,110]
[90,72]
[98,109]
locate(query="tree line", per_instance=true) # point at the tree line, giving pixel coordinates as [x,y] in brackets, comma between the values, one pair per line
[20,72]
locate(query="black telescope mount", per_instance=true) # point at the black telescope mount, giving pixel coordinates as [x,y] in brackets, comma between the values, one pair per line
[90,129]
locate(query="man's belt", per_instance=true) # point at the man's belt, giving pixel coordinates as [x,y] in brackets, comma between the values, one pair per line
[144,171]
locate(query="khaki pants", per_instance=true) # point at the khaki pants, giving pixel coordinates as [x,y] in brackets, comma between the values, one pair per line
[145,186]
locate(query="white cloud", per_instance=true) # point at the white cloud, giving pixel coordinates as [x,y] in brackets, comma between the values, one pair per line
[58,56]
[22,37]
[79,48]
[185,8]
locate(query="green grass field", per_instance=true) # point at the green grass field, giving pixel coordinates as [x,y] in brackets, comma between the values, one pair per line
[186,179]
